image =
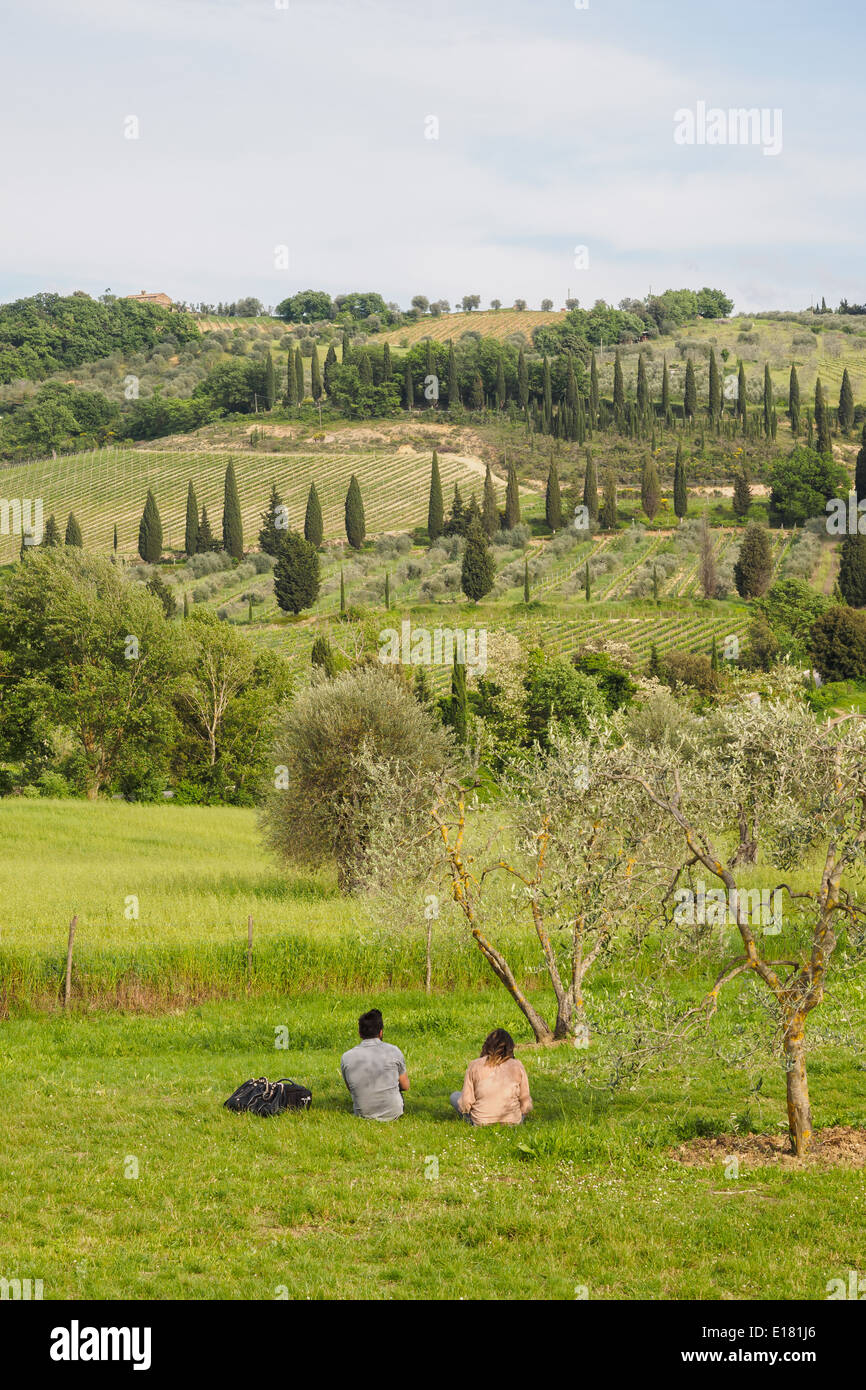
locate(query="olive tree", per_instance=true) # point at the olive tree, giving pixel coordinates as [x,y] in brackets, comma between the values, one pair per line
[319,807]
[580,875]
[813,810]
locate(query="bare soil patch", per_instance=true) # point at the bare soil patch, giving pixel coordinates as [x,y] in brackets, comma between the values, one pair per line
[839,1146]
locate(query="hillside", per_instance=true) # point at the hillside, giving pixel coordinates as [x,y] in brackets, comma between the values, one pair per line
[490,323]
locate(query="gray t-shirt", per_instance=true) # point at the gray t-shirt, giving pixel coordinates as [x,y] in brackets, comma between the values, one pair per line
[370,1071]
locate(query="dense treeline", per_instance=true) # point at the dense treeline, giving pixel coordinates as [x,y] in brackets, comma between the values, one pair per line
[50,331]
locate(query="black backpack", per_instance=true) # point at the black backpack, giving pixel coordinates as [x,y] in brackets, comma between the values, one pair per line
[263,1097]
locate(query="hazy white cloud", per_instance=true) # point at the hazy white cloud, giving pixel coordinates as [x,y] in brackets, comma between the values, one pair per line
[306,127]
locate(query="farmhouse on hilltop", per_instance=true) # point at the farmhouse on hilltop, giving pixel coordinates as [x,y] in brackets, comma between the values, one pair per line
[146,298]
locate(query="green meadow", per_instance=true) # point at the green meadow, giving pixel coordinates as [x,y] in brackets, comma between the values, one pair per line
[124,1177]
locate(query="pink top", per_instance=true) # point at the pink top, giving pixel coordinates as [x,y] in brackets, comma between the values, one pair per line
[495,1095]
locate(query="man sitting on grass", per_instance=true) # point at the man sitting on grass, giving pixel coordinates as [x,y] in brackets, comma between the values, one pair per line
[375,1072]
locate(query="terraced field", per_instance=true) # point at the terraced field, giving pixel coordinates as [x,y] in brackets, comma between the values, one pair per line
[490,323]
[109,487]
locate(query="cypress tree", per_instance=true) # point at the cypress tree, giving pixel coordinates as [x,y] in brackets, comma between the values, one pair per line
[356,527]
[190,535]
[546,388]
[330,367]
[387,590]
[408,386]
[742,499]
[643,395]
[271,534]
[754,567]
[512,499]
[270,382]
[73,532]
[314,529]
[300,389]
[453,383]
[618,389]
[315,375]
[681,496]
[459,711]
[115,538]
[233,531]
[457,520]
[742,401]
[500,383]
[587,582]
[707,562]
[156,586]
[654,666]
[476,398]
[291,381]
[690,392]
[478,570]
[570,385]
[860,469]
[522,380]
[593,389]
[666,390]
[489,506]
[650,489]
[435,506]
[852,571]
[822,421]
[525,581]
[714,395]
[322,656]
[768,401]
[794,400]
[656,583]
[296,574]
[846,404]
[150,531]
[205,540]
[608,515]
[553,499]
[714,654]
[365,368]
[590,487]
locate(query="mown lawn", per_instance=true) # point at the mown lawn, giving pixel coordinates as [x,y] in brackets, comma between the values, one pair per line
[586,1196]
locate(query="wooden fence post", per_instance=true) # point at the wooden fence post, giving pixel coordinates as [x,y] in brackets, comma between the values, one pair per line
[68,988]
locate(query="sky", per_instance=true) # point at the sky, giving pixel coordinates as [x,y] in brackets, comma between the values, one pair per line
[464,147]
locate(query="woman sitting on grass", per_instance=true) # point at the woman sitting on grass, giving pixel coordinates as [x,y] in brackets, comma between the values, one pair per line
[496,1087]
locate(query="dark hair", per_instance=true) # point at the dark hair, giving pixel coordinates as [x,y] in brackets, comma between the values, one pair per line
[370,1024]
[497,1047]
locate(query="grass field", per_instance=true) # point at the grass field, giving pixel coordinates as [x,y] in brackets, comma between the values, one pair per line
[123,1176]
[327,1206]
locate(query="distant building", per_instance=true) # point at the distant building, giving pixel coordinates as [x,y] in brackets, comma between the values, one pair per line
[146,298]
